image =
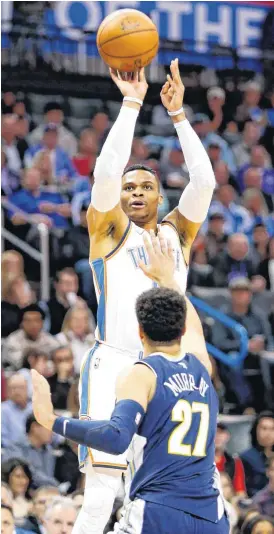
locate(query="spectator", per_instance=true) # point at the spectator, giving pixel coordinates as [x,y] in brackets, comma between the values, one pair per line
[216,238]
[201,272]
[255,203]
[247,384]
[53,114]
[10,180]
[216,101]
[16,294]
[78,331]
[236,260]
[230,465]
[7,103]
[85,159]
[254,178]
[60,516]
[66,289]
[172,167]
[35,449]
[266,267]
[15,411]
[139,152]
[67,466]
[100,126]
[62,168]
[258,525]
[7,520]
[61,381]
[264,499]
[9,142]
[44,206]
[255,459]
[250,137]
[17,474]
[11,262]
[34,359]
[29,335]
[222,175]
[260,161]
[249,109]
[229,496]
[6,494]
[237,218]
[41,499]
[214,151]
[260,240]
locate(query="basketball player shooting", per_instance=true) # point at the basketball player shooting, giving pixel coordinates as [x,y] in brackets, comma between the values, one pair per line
[123,208]
[167,407]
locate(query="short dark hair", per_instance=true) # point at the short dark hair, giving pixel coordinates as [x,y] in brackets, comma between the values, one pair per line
[161,313]
[50,106]
[67,270]
[32,308]
[35,353]
[142,167]
[29,422]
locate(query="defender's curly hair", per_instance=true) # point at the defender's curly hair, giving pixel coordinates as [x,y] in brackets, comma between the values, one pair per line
[161,313]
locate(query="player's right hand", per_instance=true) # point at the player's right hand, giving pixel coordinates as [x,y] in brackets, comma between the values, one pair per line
[161,265]
[131,84]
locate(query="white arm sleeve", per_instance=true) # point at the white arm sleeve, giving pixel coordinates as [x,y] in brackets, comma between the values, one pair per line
[112,161]
[197,195]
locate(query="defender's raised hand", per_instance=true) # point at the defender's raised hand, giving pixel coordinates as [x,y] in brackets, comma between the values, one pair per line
[172,93]
[41,400]
[161,265]
[131,84]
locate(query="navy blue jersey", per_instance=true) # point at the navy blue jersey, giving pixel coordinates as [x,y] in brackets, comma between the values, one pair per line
[172,462]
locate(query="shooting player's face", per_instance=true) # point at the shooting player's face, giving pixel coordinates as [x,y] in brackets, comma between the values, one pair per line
[140,196]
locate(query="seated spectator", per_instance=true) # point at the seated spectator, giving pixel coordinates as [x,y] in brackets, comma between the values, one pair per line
[246,385]
[201,272]
[100,125]
[61,513]
[236,260]
[249,109]
[259,160]
[250,137]
[10,180]
[260,239]
[266,267]
[9,143]
[215,102]
[62,168]
[222,175]
[255,178]
[6,494]
[173,168]
[77,331]
[67,466]
[202,126]
[85,159]
[66,288]
[16,294]
[34,359]
[7,102]
[15,411]
[230,465]
[229,496]
[237,218]
[255,459]
[258,525]
[62,379]
[35,449]
[7,520]
[17,474]
[44,206]
[41,499]
[214,151]
[264,499]
[11,262]
[139,151]
[216,238]
[29,335]
[254,202]
[53,114]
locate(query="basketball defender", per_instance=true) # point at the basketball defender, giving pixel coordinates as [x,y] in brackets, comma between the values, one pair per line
[123,208]
[167,409]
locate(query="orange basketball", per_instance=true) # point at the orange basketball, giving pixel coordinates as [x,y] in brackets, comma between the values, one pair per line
[127,40]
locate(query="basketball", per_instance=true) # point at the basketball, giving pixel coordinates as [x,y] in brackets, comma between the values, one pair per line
[127,40]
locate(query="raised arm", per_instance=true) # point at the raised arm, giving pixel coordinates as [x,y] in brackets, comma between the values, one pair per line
[106,220]
[196,197]
[161,269]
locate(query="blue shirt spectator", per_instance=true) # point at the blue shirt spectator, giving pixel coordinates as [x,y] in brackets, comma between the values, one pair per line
[15,411]
[47,206]
[62,168]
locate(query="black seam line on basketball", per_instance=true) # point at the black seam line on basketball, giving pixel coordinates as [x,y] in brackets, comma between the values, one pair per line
[130,32]
[128,57]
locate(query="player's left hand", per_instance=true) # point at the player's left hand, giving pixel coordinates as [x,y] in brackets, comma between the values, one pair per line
[161,259]
[172,93]
[41,400]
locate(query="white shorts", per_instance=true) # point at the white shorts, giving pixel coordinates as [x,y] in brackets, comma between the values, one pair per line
[100,369]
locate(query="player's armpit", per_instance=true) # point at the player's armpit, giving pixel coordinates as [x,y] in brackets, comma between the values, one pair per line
[194,337]
[186,229]
[106,229]
[137,383]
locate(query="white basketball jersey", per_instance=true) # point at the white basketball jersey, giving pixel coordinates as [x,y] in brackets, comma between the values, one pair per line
[119,281]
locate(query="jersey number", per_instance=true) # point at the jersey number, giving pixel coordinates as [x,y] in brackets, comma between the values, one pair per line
[182,413]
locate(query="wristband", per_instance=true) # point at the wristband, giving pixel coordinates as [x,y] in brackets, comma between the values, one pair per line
[132,99]
[175,113]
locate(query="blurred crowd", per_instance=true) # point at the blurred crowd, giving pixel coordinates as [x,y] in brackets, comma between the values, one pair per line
[47,176]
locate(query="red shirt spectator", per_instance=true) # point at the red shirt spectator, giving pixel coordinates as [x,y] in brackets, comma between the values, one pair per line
[232,465]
